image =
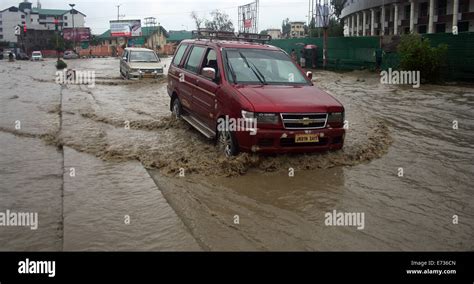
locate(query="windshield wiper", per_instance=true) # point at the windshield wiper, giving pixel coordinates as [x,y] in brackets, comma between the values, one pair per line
[234,77]
[255,70]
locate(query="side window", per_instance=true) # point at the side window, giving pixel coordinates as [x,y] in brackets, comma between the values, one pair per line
[125,55]
[211,60]
[179,54]
[194,59]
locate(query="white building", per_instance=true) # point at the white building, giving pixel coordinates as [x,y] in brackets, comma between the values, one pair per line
[274,33]
[36,19]
[395,17]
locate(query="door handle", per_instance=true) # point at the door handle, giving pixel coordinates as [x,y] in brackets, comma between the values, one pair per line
[196,83]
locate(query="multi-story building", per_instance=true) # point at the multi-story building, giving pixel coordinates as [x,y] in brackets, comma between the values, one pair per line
[395,17]
[297,29]
[36,18]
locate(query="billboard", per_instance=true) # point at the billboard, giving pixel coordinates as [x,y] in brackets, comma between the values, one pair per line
[125,28]
[79,34]
[248,18]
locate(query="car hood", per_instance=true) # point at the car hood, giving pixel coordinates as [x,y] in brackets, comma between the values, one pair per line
[281,99]
[145,65]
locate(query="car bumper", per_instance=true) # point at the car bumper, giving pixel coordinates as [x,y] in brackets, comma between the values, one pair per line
[143,75]
[283,141]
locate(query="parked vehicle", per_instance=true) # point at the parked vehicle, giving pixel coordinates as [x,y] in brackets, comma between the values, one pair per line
[69,54]
[6,53]
[140,63]
[36,56]
[23,56]
[211,81]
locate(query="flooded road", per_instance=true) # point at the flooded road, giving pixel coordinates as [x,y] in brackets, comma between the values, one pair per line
[127,155]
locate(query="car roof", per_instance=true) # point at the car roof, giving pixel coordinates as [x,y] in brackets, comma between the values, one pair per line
[231,44]
[137,49]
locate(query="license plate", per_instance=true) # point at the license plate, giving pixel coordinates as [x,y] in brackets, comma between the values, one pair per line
[149,75]
[306,138]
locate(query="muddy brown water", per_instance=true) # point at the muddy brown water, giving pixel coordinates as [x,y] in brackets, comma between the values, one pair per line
[117,122]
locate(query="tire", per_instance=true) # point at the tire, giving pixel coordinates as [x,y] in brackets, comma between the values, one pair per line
[176,109]
[227,143]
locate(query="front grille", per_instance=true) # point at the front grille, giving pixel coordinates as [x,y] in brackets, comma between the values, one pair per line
[304,120]
[290,142]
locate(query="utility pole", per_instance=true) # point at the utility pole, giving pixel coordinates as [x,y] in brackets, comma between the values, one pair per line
[118,11]
[73,28]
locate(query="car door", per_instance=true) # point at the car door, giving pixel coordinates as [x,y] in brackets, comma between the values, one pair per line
[204,95]
[176,74]
[189,78]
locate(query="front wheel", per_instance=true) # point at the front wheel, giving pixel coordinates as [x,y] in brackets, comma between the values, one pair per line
[227,143]
[176,109]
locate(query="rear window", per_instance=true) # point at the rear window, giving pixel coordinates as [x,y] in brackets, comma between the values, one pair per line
[194,59]
[179,54]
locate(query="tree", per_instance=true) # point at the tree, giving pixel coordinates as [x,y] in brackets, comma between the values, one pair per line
[337,6]
[197,20]
[220,22]
[417,54]
[286,28]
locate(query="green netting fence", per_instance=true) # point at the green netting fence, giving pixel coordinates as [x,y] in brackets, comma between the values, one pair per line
[349,53]
[345,53]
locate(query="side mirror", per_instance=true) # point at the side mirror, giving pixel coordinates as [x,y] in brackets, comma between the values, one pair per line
[309,74]
[209,73]
[124,58]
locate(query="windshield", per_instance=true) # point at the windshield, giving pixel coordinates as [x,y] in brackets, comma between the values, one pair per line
[36,53]
[257,66]
[143,56]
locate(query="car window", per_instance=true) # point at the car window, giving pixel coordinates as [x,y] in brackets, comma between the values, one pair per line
[257,66]
[143,56]
[194,60]
[211,60]
[126,55]
[179,54]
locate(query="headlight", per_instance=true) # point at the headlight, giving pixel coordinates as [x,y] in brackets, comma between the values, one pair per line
[336,118]
[267,118]
[248,114]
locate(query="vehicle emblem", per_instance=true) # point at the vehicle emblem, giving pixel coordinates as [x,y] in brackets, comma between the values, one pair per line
[306,121]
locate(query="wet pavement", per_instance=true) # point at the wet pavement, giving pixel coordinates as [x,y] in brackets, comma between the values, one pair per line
[127,154]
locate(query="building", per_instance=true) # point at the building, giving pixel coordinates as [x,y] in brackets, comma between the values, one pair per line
[297,29]
[274,33]
[152,37]
[36,18]
[395,17]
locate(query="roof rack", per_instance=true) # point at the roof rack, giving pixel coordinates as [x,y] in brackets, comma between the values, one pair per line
[222,35]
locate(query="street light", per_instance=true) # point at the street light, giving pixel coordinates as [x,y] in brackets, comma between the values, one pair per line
[73,28]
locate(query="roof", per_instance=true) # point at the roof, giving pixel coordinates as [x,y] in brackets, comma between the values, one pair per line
[137,49]
[146,31]
[232,44]
[52,12]
[179,35]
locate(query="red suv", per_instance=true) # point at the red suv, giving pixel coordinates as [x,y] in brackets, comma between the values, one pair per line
[251,96]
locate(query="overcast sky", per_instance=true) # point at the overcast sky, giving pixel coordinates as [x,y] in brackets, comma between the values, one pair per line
[174,14]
